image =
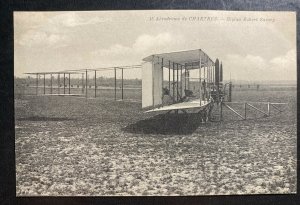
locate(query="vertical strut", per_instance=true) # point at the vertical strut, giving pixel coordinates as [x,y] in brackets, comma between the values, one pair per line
[208,78]
[169,76]
[200,77]
[69,83]
[44,83]
[122,85]
[115,83]
[181,80]
[51,83]
[162,70]
[82,83]
[95,83]
[64,83]
[86,82]
[213,76]
[177,82]
[58,82]
[173,82]
[205,79]
[37,83]
[185,76]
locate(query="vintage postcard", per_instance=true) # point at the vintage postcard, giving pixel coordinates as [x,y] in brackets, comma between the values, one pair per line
[155,103]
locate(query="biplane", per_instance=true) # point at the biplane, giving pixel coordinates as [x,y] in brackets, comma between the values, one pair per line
[182,91]
[187,81]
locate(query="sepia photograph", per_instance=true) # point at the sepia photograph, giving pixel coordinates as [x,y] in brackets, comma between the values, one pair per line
[155,103]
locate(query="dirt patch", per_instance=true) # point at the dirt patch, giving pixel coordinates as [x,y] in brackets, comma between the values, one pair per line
[113,148]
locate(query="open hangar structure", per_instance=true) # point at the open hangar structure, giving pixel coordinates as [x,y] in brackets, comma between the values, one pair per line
[82,82]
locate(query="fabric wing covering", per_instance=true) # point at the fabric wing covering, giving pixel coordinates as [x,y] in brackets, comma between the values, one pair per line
[189,58]
[152,72]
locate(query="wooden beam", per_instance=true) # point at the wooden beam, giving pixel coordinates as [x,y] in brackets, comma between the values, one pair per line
[95,84]
[205,78]
[208,80]
[169,76]
[86,84]
[58,82]
[69,83]
[153,68]
[44,84]
[181,80]
[204,71]
[210,85]
[51,83]
[213,74]
[185,76]
[82,83]
[273,105]
[162,70]
[122,85]
[115,83]
[64,83]
[177,83]
[255,108]
[210,73]
[173,71]
[256,102]
[200,78]
[235,112]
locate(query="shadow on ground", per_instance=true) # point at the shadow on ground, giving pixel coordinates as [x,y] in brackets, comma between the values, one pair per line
[166,124]
[38,118]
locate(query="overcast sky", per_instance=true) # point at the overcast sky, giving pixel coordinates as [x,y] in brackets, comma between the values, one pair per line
[249,50]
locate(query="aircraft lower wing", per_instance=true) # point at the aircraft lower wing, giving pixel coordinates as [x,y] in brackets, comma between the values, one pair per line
[182,105]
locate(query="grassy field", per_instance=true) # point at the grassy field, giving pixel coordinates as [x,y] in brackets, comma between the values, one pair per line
[78,146]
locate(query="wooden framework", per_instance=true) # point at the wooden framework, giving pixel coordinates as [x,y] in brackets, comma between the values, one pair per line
[246,106]
[84,80]
[181,63]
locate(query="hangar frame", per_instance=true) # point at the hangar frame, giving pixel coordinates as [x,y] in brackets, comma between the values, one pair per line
[67,74]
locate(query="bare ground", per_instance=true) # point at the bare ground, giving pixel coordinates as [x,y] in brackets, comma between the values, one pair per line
[74,146]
